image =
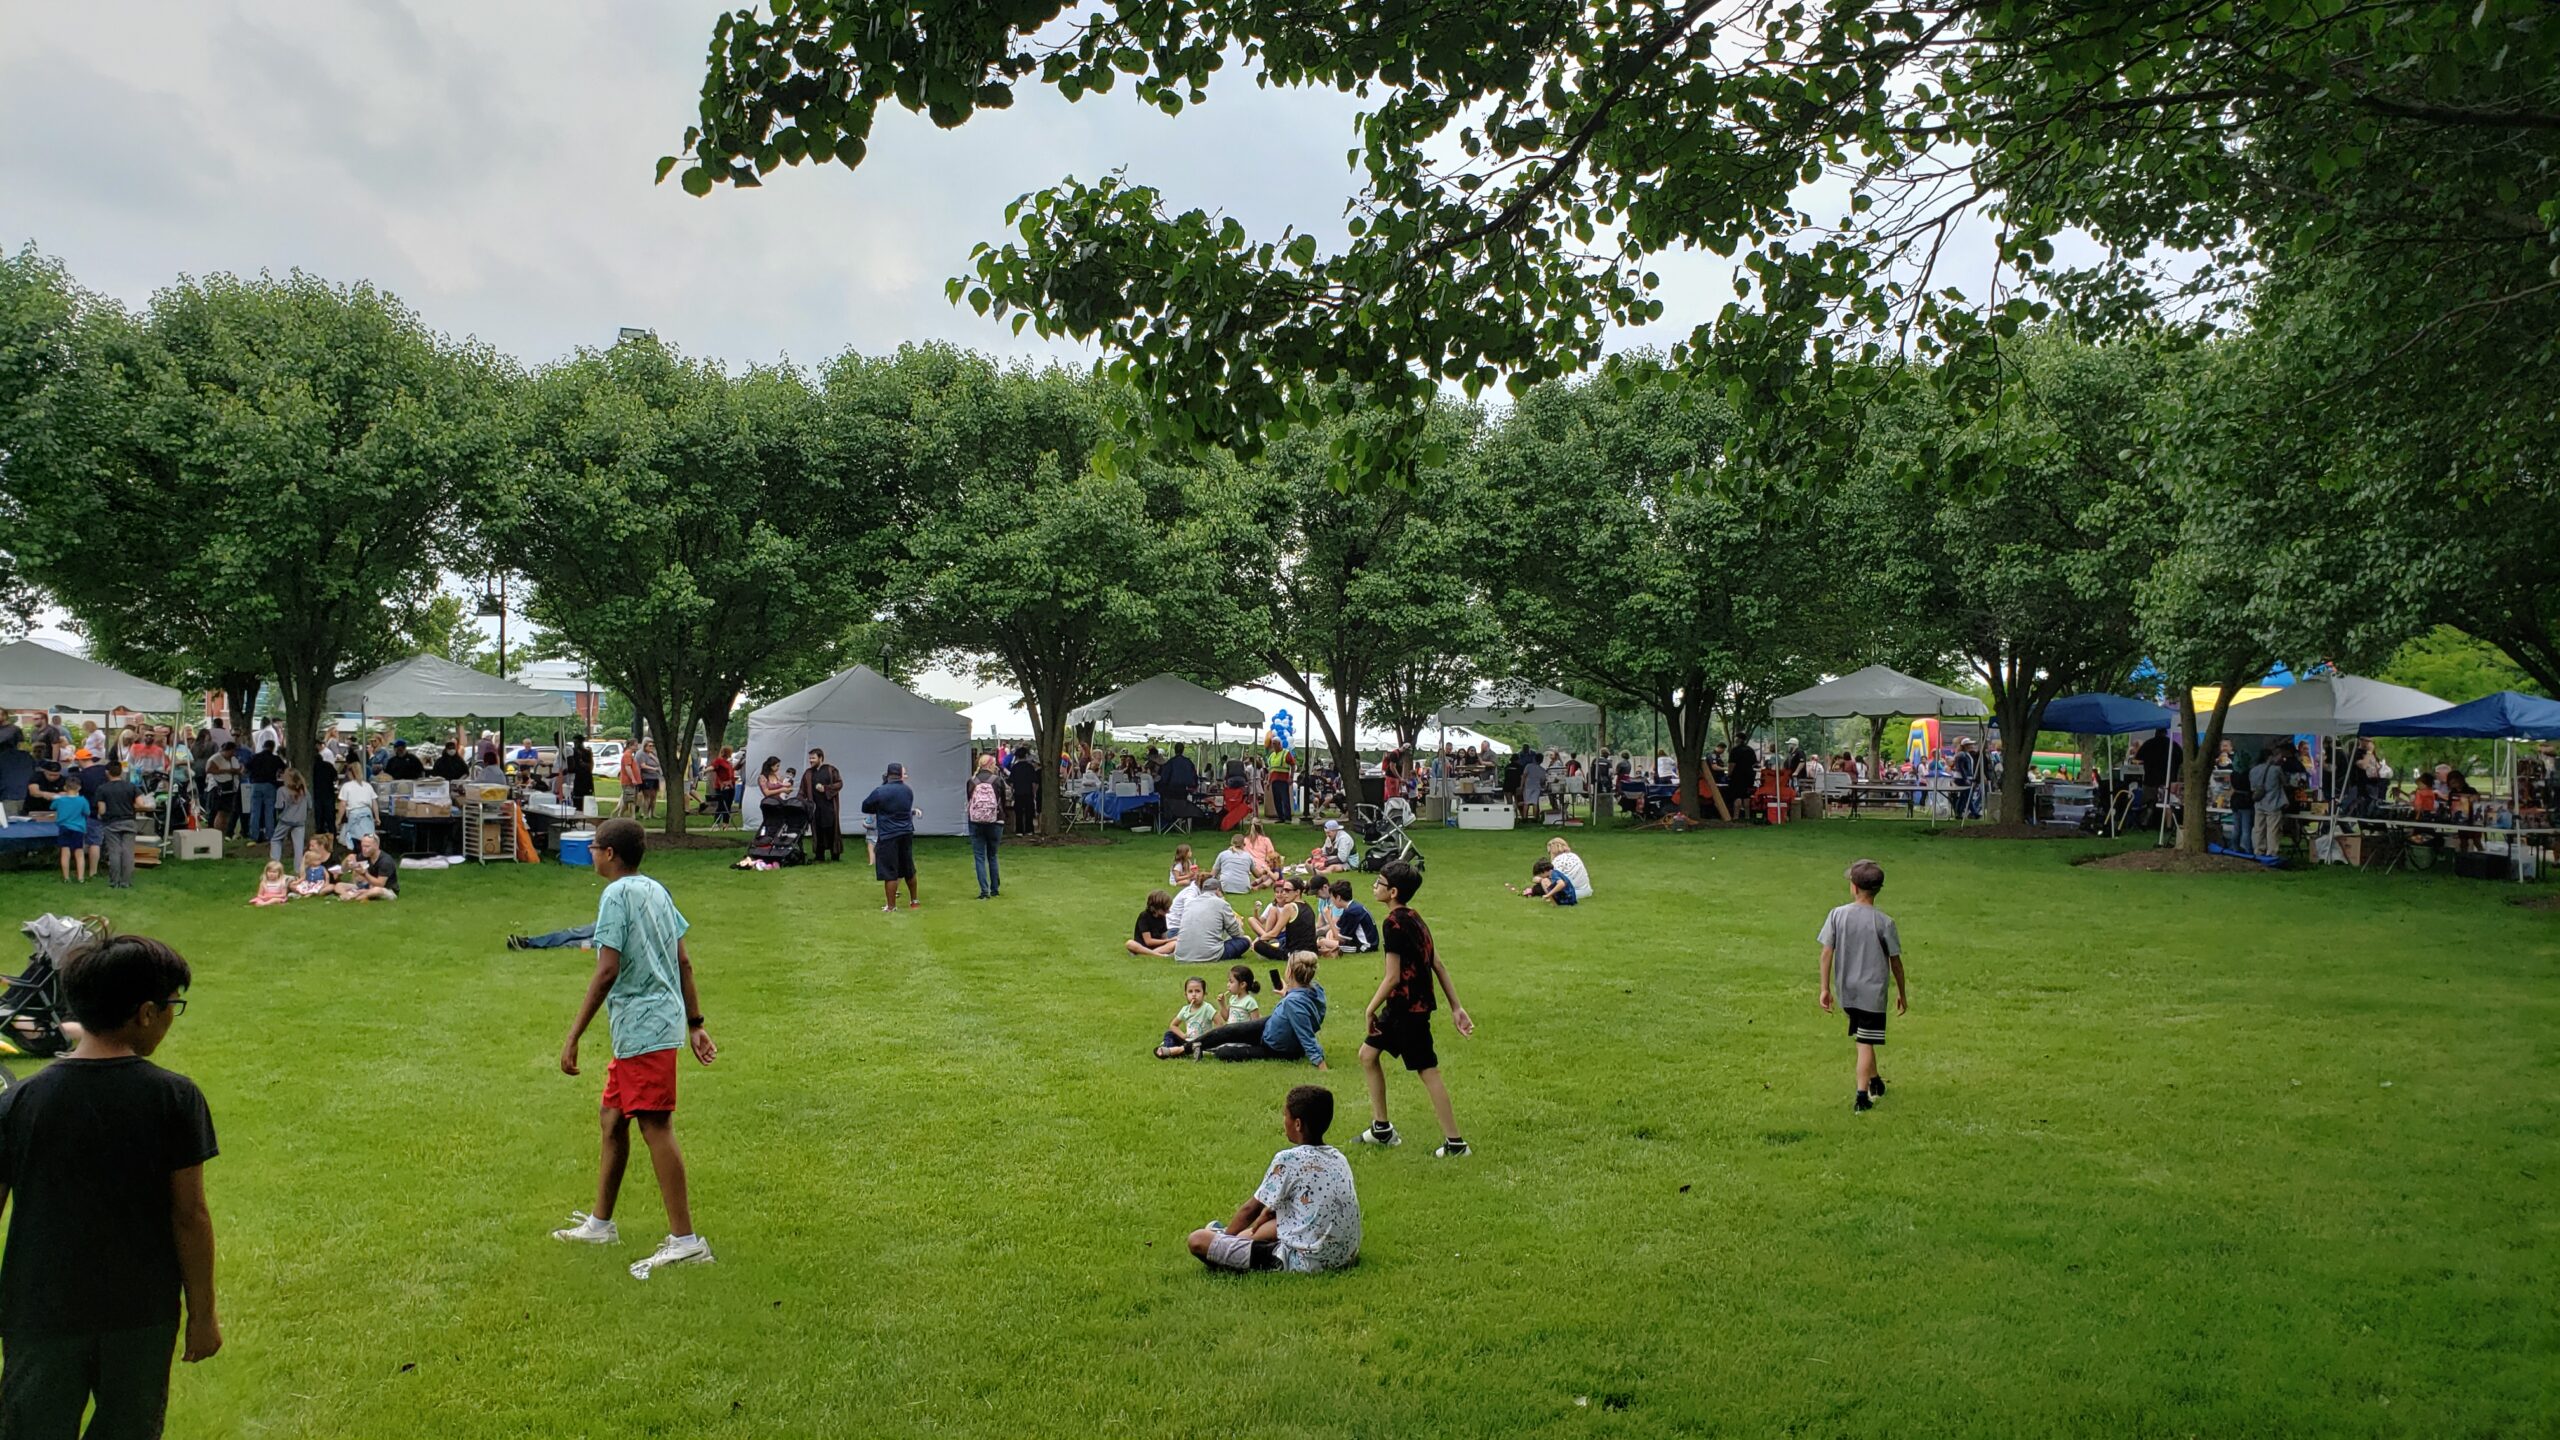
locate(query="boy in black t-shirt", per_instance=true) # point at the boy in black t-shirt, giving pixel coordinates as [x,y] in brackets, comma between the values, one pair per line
[104,1154]
[1399,1015]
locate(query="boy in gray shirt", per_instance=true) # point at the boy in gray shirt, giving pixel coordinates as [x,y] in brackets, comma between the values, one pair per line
[1859,946]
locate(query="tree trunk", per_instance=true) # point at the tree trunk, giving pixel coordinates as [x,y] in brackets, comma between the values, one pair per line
[2196,752]
[1689,722]
[1049,719]
[2020,712]
[1875,747]
[304,697]
[239,698]
[670,763]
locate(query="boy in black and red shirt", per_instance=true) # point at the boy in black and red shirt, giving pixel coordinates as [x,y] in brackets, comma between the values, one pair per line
[1399,1015]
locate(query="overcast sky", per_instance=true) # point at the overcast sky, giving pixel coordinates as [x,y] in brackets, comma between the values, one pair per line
[491,164]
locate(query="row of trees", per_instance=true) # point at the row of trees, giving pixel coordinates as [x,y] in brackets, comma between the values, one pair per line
[264,479]
[2361,197]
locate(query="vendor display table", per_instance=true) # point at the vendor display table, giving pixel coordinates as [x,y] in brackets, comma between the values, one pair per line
[1112,808]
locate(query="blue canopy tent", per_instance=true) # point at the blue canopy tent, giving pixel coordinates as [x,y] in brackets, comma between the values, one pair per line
[2102,714]
[2507,715]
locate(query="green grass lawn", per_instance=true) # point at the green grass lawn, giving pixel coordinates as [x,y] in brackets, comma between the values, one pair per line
[2220,1155]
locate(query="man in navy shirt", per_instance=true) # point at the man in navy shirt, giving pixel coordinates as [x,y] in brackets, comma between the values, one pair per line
[892,807]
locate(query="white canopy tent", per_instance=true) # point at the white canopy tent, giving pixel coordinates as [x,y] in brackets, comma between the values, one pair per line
[434,686]
[993,719]
[2328,706]
[1161,700]
[39,677]
[865,721]
[1875,692]
[1535,706]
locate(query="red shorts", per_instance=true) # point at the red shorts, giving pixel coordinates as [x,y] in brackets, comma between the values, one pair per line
[641,1084]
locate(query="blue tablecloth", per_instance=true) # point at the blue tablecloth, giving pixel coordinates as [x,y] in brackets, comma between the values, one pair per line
[1112,807]
[35,835]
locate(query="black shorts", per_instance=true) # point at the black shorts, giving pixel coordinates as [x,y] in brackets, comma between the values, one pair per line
[893,857]
[1407,1036]
[1866,1026]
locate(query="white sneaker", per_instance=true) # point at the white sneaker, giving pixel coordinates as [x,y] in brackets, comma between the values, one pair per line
[1372,1135]
[674,1250]
[589,1230]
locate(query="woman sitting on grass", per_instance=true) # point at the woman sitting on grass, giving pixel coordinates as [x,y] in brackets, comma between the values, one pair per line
[1287,926]
[1259,846]
[1287,1033]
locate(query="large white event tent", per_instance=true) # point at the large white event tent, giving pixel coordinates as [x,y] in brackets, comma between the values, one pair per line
[434,686]
[39,677]
[1162,701]
[1537,706]
[864,721]
[994,718]
[1875,692]
[2329,705]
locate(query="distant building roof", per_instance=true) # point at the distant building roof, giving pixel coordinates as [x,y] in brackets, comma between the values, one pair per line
[560,675]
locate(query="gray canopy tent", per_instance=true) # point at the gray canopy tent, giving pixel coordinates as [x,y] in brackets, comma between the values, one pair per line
[1876,694]
[1535,706]
[39,677]
[433,686]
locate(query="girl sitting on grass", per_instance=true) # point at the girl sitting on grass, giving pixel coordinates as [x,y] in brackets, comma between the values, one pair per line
[1196,1018]
[315,869]
[273,887]
[1241,1001]
[1153,934]
[1183,872]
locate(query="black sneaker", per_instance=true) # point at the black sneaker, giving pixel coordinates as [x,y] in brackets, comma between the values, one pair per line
[1863,1102]
[1453,1150]
[1875,1086]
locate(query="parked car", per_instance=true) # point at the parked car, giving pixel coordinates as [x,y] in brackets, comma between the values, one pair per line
[608,755]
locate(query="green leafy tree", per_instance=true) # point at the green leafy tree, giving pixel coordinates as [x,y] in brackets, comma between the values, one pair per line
[2211,611]
[691,532]
[1368,590]
[1641,584]
[1023,559]
[446,626]
[1520,167]
[256,475]
[2030,576]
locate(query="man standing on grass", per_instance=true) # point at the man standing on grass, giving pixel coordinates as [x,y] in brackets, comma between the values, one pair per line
[822,785]
[892,806]
[644,982]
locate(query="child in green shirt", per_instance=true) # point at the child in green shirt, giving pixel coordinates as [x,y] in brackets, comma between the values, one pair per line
[1189,1023]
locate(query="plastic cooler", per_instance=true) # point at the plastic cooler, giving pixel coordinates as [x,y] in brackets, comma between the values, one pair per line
[574,849]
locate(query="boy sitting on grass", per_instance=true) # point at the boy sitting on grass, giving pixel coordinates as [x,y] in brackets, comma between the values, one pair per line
[1859,944]
[104,1153]
[644,982]
[1547,883]
[1305,1216]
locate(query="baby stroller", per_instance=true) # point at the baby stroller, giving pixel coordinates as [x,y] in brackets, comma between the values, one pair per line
[779,835]
[31,1012]
[1383,834]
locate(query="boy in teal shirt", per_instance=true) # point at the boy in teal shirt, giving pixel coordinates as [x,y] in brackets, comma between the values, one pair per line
[71,833]
[644,983]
